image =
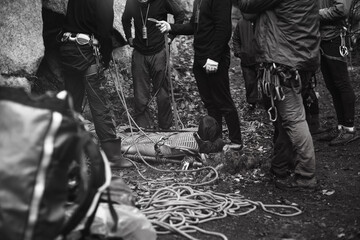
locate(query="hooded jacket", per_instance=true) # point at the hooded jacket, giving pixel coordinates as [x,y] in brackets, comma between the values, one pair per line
[286,32]
[140,13]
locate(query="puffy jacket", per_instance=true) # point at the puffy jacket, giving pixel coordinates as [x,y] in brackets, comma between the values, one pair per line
[333,14]
[286,32]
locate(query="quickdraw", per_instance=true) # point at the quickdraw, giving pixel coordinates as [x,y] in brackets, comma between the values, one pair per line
[342,48]
[272,88]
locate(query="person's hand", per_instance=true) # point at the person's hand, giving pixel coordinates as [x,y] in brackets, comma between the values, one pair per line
[211,66]
[163,26]
[131,42]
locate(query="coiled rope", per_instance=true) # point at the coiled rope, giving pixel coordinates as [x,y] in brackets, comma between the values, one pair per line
[179,209]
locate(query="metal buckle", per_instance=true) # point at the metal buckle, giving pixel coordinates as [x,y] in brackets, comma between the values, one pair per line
[343,51]
[82,39]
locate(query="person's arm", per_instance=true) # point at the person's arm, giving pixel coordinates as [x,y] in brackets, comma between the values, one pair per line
[335,12]
[221,10]
[105,20]
[236,40]
[179,15]
[126,22]
[178,29]
[257,6]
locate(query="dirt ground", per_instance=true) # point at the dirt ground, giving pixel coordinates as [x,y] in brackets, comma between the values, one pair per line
[330,212]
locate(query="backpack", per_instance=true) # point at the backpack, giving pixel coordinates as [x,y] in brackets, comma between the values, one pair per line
[44,149]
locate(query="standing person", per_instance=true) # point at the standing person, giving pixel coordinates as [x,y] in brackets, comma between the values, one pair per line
[243,44]
[210,24]
[87,26]
[149,58]
[334,69]
[287,45]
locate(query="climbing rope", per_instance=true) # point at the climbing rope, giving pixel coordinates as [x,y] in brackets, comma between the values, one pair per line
[179,208]
[139,156]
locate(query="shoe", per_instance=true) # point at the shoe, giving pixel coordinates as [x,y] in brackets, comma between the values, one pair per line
[296,183]
[112,151]
[233,147]
[344,138]
[276,176]
[332,134]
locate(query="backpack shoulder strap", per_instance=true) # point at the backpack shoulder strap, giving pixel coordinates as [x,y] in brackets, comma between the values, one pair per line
[98,181]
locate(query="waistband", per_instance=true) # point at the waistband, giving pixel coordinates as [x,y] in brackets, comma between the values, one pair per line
[80,38]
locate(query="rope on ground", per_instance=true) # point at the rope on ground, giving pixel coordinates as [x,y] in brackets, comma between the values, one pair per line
[121,95]
[178,209]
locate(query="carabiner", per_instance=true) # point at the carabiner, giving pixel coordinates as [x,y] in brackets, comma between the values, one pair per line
[272,116]
[343,51]
[280,95]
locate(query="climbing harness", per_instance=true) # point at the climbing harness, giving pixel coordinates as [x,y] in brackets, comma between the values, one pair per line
[274,78]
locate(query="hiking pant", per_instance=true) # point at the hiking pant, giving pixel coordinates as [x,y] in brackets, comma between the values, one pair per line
[251,86]
[82,74]
[336,76]
[214,89]
[293,146]
[147,70]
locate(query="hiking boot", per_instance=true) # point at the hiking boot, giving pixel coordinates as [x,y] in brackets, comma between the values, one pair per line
[344,137]
[296,183]
[332,134]
[275,175]
[112,151]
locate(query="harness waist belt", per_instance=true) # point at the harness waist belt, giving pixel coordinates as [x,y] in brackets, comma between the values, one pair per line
[80,38]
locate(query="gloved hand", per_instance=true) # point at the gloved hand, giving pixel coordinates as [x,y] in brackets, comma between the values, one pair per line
[163,26]
[211,66]
[131,42]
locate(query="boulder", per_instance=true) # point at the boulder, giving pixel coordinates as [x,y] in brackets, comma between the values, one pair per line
[29,56]
[21,41]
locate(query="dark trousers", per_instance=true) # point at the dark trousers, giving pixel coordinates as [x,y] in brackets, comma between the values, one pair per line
[335,72]
[82,74]
[251,86]
[214,91]
[147,70]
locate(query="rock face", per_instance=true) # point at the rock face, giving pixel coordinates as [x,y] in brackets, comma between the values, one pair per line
[22,47]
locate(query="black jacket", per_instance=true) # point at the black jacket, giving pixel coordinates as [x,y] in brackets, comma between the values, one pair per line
[244,42]
[212,33]
[157,9]
[92,17]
